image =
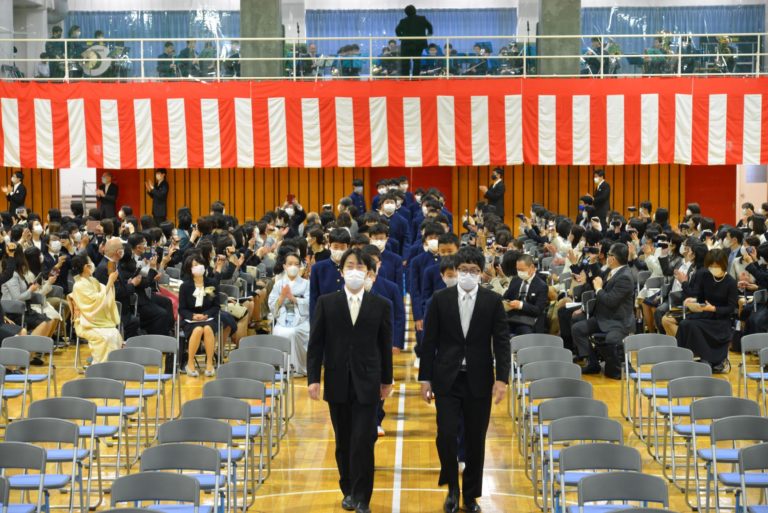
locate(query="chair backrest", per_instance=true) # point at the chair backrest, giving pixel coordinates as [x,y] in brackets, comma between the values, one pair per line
[31,343]
[623,486]
[710,408]
[586,427]
[754,343]
[4,492]
[249,370]
[120,371]
[570,407]
[94,388]
[12,306]
[12,357]
[42,430]
[634,343]
[163,343]
[155,486]
[535,340]
[258,354]
[666,371]
[144,356]
[544,354]
[763,357]
[654,355]
[600,456]
[550,388]
[232,291]
[68,408]
[654,282]
[754,457]
[173,272]
[22,455]
[698,386]
[274,341]
[237,388]
[180,456]
[195,429]
[739,427]
[220,408]
[540,370]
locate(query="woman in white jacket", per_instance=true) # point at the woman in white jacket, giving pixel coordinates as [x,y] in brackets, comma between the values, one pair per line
[289,304]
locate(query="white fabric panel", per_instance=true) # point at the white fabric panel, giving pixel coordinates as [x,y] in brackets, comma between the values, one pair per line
[581,129]
[209,114]
[44,133]
[177,133]
[547,130]
[446,131]
[76,116]
[310,122]
[278,142]
[379,138]
[481,150]
[614,112]
[649,128]
[244,131]
[718,110]
[753,110]
[110,134]
[513,125]
[683,127]
[145,150]
[345,132]
[412,129]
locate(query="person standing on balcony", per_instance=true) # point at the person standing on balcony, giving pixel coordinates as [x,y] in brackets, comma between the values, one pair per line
[412,25]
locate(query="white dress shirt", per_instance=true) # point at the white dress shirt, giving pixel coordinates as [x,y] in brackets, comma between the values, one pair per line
[354,300]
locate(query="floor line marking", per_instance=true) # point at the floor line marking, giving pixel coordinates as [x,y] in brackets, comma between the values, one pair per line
[399,451]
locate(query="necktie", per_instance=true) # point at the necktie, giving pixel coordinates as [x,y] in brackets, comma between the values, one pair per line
[523,291]
[466,313]
[354,308]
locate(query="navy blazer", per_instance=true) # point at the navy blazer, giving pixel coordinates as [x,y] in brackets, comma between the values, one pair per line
[392,269]
[398,229]
[358,200]
[431,281]
[385,288]
[415,288]
[324,278]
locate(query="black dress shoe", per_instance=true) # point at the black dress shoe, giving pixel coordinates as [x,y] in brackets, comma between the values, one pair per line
[591,368]
[451,504]
[472,506]
[362,508]
[36,361]
[348,504]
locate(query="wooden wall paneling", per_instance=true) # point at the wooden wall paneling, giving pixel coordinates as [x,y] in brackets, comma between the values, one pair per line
[676,213]
[664,177]
[327,181]
[518,202]
[302,178]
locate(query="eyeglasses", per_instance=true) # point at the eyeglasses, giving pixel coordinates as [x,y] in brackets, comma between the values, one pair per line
[474,271]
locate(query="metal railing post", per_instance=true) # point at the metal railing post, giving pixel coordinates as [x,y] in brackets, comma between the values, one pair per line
[525,58]
[757,57]
[370,57]
[447,57]
[294,60]
[680,60]
[218,60]
[66,62]
[141,56]
[602,50]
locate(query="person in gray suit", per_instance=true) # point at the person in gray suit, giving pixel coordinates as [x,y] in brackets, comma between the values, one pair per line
[613,314]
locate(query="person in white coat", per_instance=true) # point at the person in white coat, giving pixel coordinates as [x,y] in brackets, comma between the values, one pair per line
[289,304]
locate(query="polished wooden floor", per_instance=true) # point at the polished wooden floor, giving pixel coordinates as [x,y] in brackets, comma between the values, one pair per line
[304,476]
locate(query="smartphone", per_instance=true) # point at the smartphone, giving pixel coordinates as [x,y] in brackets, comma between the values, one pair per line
[632,209]
[290,198]
[521,217]
[160,251]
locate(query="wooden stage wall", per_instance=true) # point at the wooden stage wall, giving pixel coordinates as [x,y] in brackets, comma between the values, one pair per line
[248,193]
[42,189]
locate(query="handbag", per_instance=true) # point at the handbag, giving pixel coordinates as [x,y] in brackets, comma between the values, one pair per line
[236,310]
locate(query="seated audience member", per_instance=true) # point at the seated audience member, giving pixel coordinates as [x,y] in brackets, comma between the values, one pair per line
[17,288]
[527,299]
[289,304]
[707,329]
[613,314]
[198,313]
[94,309]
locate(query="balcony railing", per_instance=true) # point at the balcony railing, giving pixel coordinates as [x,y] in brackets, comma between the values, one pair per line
[370,58]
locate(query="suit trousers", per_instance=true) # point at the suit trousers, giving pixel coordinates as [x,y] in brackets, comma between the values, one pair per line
[613,339]
[354,426]
[411,54]
[476,412]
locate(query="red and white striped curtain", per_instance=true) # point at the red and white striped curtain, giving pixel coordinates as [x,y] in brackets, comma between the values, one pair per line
[703,121]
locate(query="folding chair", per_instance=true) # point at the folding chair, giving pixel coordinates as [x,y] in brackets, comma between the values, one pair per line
[11,357]
[277,389]
[566,431]
[26,457]
[580,461]
[32,344]
[128,510]
[619,486]
[732,430]
[531,355]
[763,392]
[169,346]
[52,431]
[180,457]
[159,486]
[5,490]
[632,344]
[152,362]
[281,344]
[753,458]
[751,344]
[521,342]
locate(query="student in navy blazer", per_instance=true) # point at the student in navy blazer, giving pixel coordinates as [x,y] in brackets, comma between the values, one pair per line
[325,276]
[381,188]
[432,279]
[391,264]
[381,286]
[398,227]
[357,197]
[416,273]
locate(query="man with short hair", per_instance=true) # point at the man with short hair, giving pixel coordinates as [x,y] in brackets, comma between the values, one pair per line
[357,196]
[412,25]
[107,196]
[166,67]
[526,299]
[495,193]
[602,195]
[326,275]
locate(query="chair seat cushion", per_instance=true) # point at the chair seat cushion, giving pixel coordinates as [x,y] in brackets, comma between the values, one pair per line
[32,378]
[687,429]
[605,508]
[32,481]
[20,508]
[12,393]
[136,392]
[680,410]
[112,411]
[752,479]
[154,377]
[236,454]
[239,431]
[757,509]
[208,481]
[257,410]
[98,430]
[660,392]
[723,455]
[573,478]
[750,375]
[542,430]
[65,455]
[272,392]
[644,376]
[180,508]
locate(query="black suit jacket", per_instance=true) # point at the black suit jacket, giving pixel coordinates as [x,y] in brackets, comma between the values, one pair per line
[444,345]
[159,197]
[414,26]
[495,197]
[536,298]
[360,354]
[107,202]
[16,198]
[602,200]
[615,305]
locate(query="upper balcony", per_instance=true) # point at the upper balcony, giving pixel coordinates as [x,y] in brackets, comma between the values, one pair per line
[379,58]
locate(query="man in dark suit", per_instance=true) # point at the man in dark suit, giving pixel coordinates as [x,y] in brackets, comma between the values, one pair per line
[159,194]
[495,194]
[351,335]
[465,331]
[613,314]
[527,299]
[412,25]
[357,196]
[107,195]
[602,196]
[113,253]
[16,193]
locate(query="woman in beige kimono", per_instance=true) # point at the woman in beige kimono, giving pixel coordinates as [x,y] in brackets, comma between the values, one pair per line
[94,310]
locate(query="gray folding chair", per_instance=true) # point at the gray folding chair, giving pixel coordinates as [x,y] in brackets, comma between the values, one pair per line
[5,490]
[128,510]
[173,272]
[83,413]
[52,431]
[169,346]
[281,344]
[277,389]
[180,457]
[763,356]
[521,342]
[26,457]
[33,344]
[158,486]
[619,486]
[12,358]
[632,344]
[152,362]
[751,459]
[739,429]
[751,345]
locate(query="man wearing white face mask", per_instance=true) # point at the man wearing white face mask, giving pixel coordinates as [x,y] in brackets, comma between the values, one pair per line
[381,190]
[526,298]
[416,268]
[16,193]
[107,196]
[391,264]
[357,196]
[602,195]
[351,335]
[466,339]
[326,275]
[398,227]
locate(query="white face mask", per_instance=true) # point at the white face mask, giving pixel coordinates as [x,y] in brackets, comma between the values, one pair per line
[404,187]
[450,281]
[38,229]
[743,211]
[104,180]
[198,270]
[292,271]
[336,255]
[368,284]
[597,179]
[381,244]
[716,272]
[389,208]
[399,203]
[432,245]
[382,190]
[467,281]
[425,211]
[523,275]
[354,279]
[290,211]
[417,198]
[55,246]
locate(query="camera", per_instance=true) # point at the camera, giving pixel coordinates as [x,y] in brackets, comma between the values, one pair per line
[632,209]
[592,250]
[521,217]
[662,245]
